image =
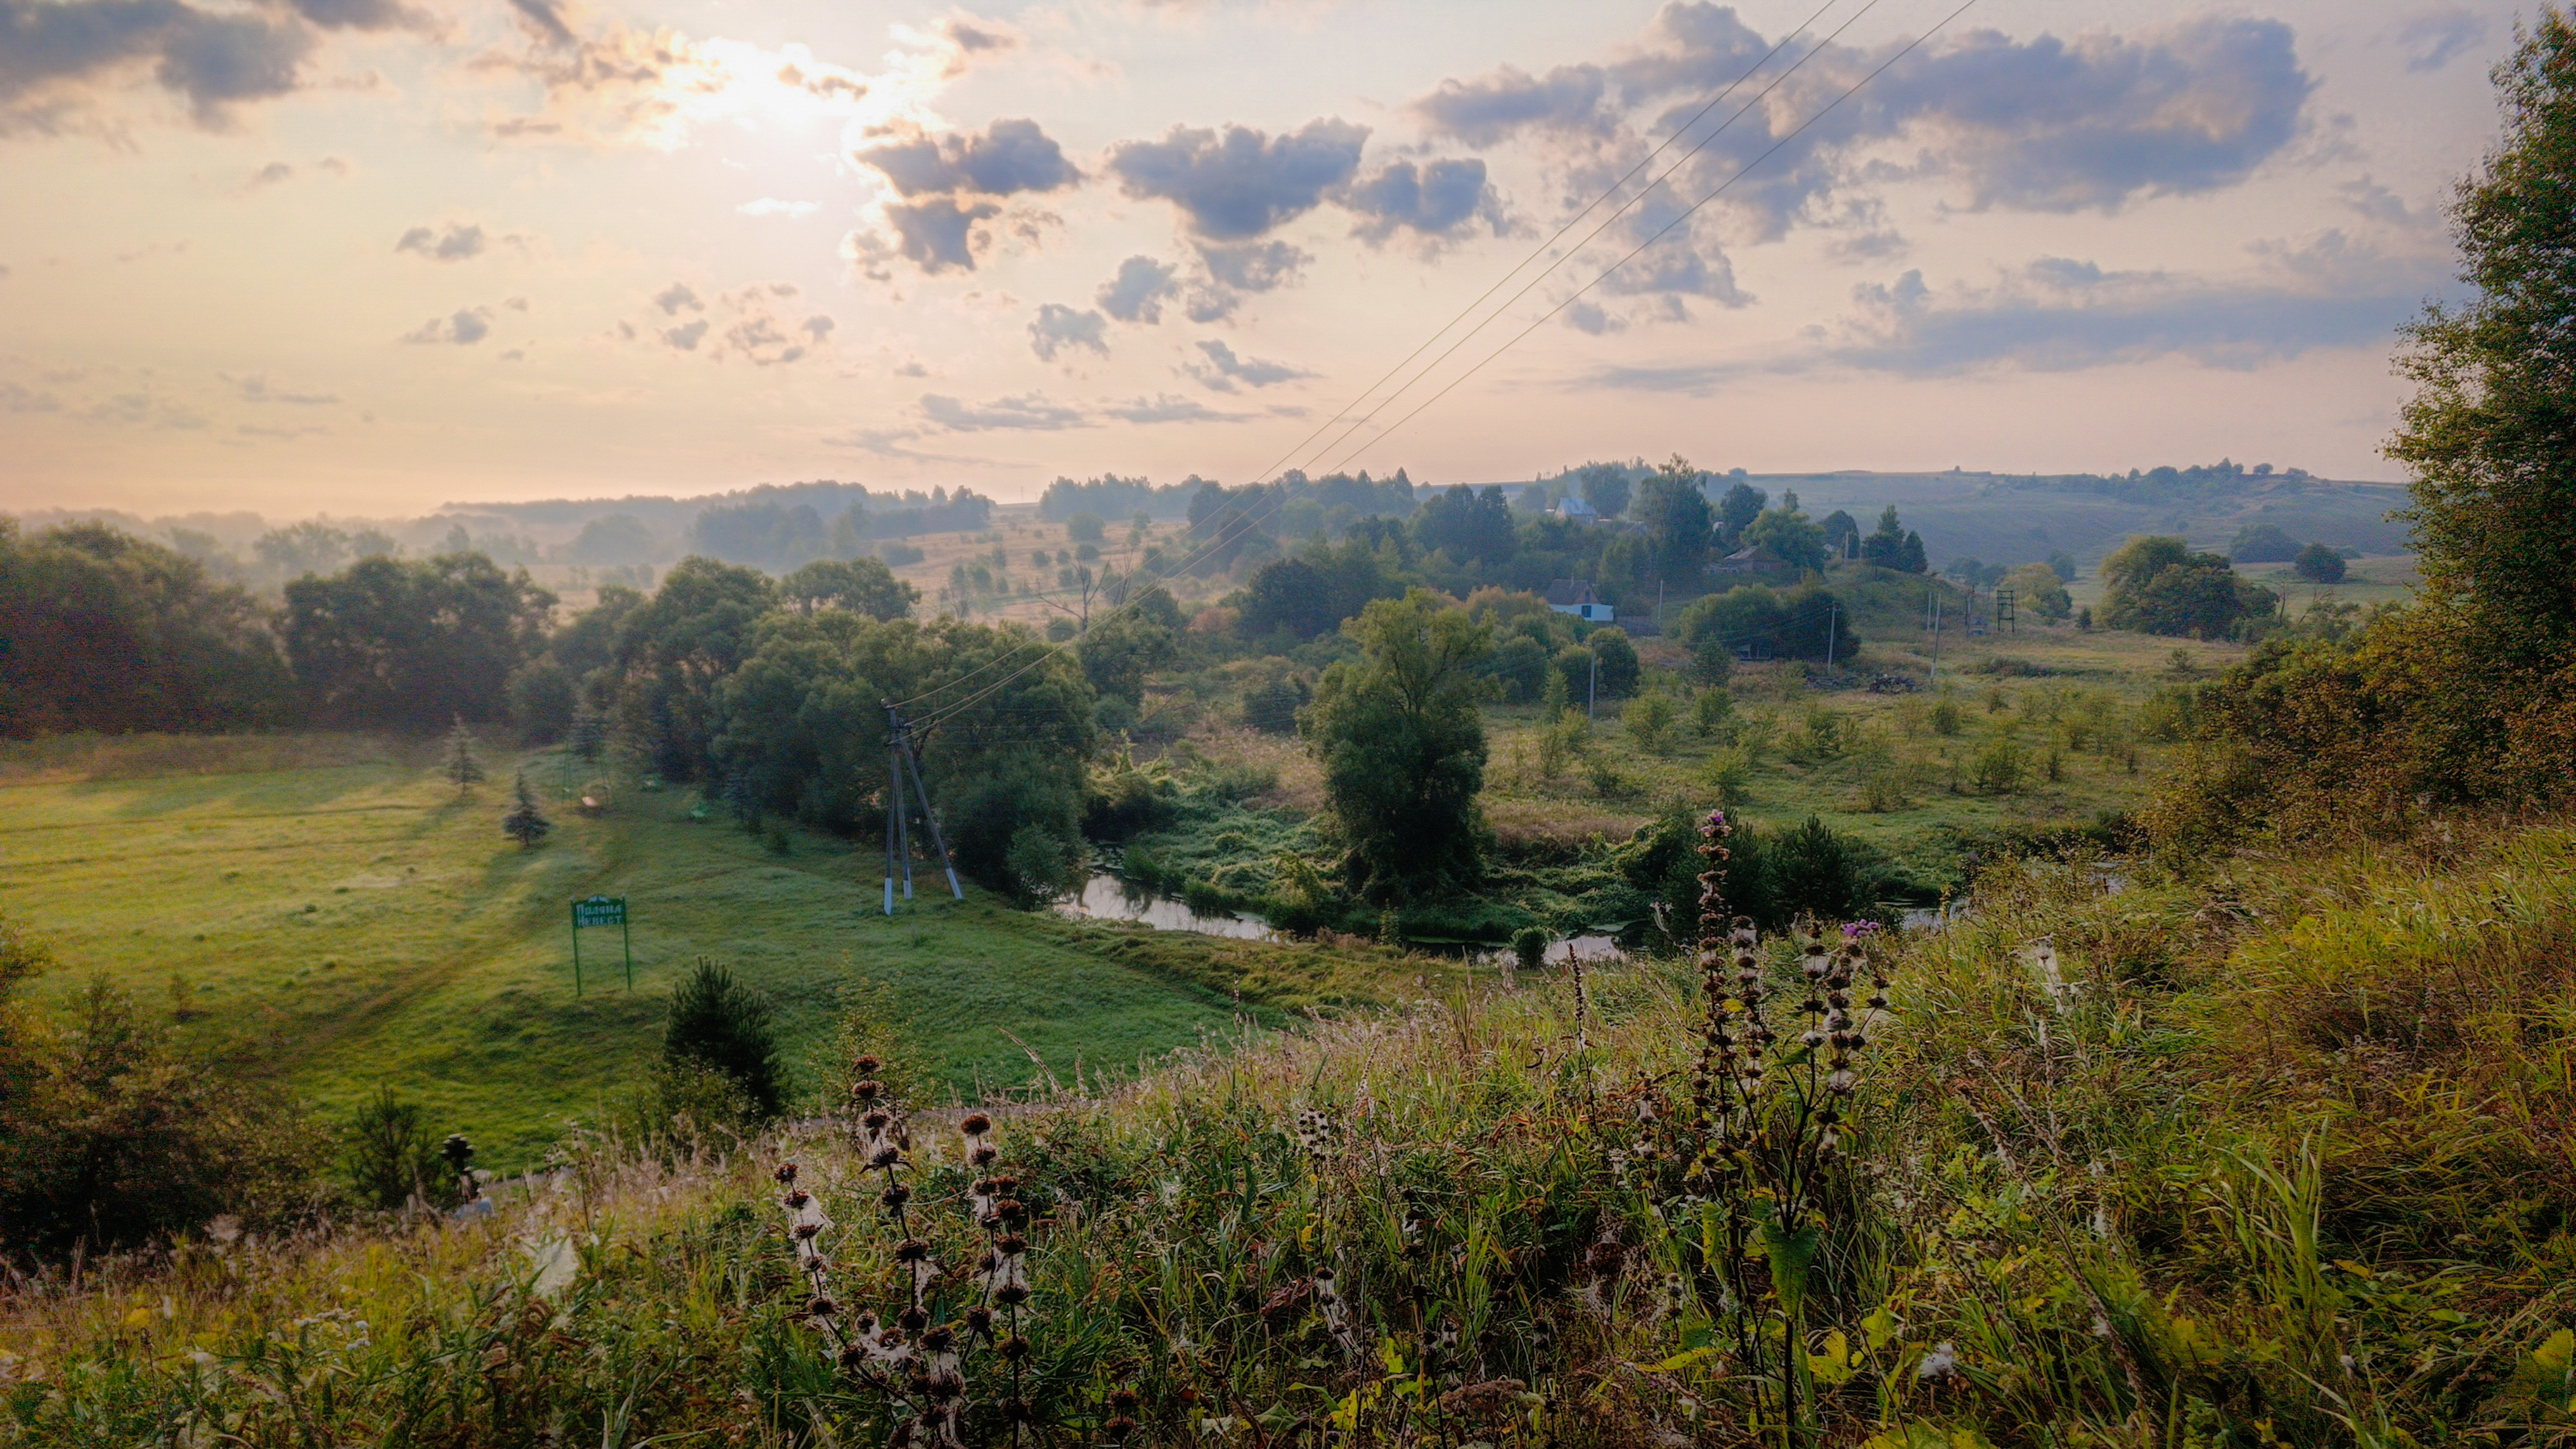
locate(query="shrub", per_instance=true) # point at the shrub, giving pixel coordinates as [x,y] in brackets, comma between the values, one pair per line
[1709,709]
[2318,564]
[1945,718]
[1648,719]
[1043,865]
[1529,947]
[1999,768]
[541,701]
[1727,776]
[724,1026]
[681,1109]
[391,1155]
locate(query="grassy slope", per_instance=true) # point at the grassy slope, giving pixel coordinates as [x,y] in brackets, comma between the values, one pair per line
[339,916]
[2220,1193]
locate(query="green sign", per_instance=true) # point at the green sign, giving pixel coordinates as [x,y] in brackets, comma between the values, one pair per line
[601,911]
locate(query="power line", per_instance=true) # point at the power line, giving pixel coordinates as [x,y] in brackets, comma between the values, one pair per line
[1907,49]
[1262,477]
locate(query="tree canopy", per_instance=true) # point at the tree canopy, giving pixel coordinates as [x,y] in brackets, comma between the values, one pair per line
[416,642]
[2157,585]
[1402,746]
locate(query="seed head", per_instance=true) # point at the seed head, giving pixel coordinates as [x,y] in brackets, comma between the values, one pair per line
[976,1125]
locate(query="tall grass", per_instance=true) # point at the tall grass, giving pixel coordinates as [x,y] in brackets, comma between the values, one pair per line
[2278,1158]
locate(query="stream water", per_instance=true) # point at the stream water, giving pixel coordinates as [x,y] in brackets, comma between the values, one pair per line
[1107,898]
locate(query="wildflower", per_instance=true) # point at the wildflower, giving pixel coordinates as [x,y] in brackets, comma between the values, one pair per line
[1940,1365]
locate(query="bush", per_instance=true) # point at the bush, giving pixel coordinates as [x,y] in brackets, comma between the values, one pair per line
[2318,564]
[541,701]
[681,1109]
[1999,768]
[1085,528]
[1270,705]
[1529,947]
[1043,866]
[1648,720]
[2262,543]
[391,1155]
[724,1026]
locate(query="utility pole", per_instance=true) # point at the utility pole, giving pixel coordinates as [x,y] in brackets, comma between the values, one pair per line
[1936,632]
[905,760]
[1833,624]
[1592,688]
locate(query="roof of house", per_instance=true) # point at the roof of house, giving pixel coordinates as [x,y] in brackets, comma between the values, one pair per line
[1753,556]
[1572,507]
[1562,593]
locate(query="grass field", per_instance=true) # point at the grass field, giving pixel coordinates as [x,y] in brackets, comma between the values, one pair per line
[328,909]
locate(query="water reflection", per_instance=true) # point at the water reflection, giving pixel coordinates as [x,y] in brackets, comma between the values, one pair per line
[1107,898]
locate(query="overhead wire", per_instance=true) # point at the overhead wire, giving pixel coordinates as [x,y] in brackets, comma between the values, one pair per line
[1514,270]
[1695,207]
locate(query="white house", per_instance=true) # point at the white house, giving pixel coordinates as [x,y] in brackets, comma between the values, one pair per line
[1574,596]
[1573,507]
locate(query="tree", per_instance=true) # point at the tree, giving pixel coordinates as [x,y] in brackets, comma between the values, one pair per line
[1672,503]
[1287,594]
[1402,746]
[525,823]
[2262,543]
[1886,546]
[1911,558]
[542,700]
[589,734]
[2487,435]
[1085,528]
[2157,585]
[1119,651]
[2036,588]
[674,653]
[1468,525]
[2062,564]
[392,641]
[103,631]
[2318,564]
[1618,660]
[1842,534]
[391,1156]
[1605,487]
[463,766]
[1736,511]
[718,1023]
[1790,537]
[863,585]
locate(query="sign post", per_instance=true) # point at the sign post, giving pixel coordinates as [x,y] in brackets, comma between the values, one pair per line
[601,911]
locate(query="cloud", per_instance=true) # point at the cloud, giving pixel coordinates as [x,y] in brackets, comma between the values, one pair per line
[363,14]
[17,399]
[272,173]
[1223,369]
[1011,156]
[2059,314]
[2434,39]
[1240,184]
[1165,408]
[453,245]
[213,60]
[544,18]
[1027,412]
[939,234]
[1436,200]
[464,328]
[676,296]
[769,206]
[1059,327]
[256,388]
[1139,290]
[686,336]
[818,326]
[287,434]
[1254,267]
[2095,122]
[142,409]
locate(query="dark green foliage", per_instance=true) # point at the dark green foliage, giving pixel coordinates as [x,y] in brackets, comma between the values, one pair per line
[392,641]
[2158,586]
[1043,864]
[1519,665]
[2262,543]
[1789,535]
[1672,503]
[391,1156]
[762,532]
[2318,564]
[542,700]
[864,586]
[525,823]
[1792,625]
[718,1023]
[2490,435]
[2062,564]
[1271,704]
[1773,877]
[1085,528]
[1529,947]
[673,654]
[1467,525]
[1617,658]
[1842,535]
[103,631]
[1287,595]
[1117,652]
[1736,511]
[109,1139]
[588,734]
[1606,488]
[1402,746]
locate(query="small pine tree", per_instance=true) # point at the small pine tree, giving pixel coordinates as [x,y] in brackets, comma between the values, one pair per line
[525,823]
[1556,696]
[723,1025]
[464,766]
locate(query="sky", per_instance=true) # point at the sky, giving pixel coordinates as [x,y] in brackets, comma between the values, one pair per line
[369,257]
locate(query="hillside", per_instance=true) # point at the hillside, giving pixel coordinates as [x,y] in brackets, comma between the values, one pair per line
[329,910]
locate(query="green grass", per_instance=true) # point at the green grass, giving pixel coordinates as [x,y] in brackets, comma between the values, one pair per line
[329,911]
